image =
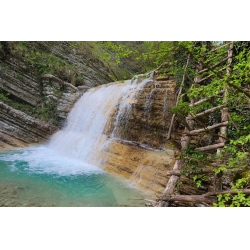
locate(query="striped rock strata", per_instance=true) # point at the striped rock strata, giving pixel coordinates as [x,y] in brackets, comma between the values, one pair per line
[18,129]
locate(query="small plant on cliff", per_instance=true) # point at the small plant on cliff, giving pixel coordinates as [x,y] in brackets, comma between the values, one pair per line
[5,98]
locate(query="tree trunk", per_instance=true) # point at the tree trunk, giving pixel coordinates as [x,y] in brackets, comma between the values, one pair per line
[177,100]
[224,118]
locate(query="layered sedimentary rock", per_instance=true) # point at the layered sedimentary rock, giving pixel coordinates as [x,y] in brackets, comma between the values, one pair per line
[17,125]
[141,153]
[22,77]
[17,129]
[87,59]
[22,87]
[143,168]
[149,118]
[62,93]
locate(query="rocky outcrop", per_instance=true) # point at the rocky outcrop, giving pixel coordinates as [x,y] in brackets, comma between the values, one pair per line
[150,116]
[142,155]
[45,79]
[62,93]
[17,129]
[80,63]
[143,168]
[20,86]
[87,60]
[146,169]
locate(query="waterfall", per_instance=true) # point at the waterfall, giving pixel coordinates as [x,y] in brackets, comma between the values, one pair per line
[84,133]
[80,158]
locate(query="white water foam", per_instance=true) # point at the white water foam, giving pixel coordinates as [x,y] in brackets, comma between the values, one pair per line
[43,160]
[83,134]
[72,150]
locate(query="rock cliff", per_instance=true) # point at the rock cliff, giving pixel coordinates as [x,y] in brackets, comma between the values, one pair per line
[150,115]
[141,154]
[43,80]
[18,129]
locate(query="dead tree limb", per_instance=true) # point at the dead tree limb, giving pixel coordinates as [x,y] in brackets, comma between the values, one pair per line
[224,117]
[207,77]
[213,66]
[208,111]
[210,60]
[210,147]
[178,172]
[178,97]
[206,99]
[194,132]
[218,74]
[191,198]
[192,81]
[217,48]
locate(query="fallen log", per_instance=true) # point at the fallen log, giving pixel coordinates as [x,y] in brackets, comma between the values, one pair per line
[207,77]
[178,172]
[173,179]
[194,132]
[206,99]
[208,111]
[215,146]
[213,66]
[192,198]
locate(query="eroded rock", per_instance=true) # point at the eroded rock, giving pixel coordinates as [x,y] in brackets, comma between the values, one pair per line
[18,129]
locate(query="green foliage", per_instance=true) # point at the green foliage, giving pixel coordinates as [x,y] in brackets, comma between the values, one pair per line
[19,76]
[4,97]
[158,134]
[235,155]
[228,200]
[234,160]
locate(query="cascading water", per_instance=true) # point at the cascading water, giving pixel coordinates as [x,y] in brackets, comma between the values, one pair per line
[84,133]
[71,155]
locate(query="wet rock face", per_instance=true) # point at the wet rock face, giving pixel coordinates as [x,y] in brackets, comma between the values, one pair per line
[146,169]
[150,115]
[18,129]
[143,168]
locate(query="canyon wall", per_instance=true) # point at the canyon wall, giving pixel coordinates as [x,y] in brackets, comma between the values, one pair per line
[18,129]
[40,83]
[139,151]
[43,80]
